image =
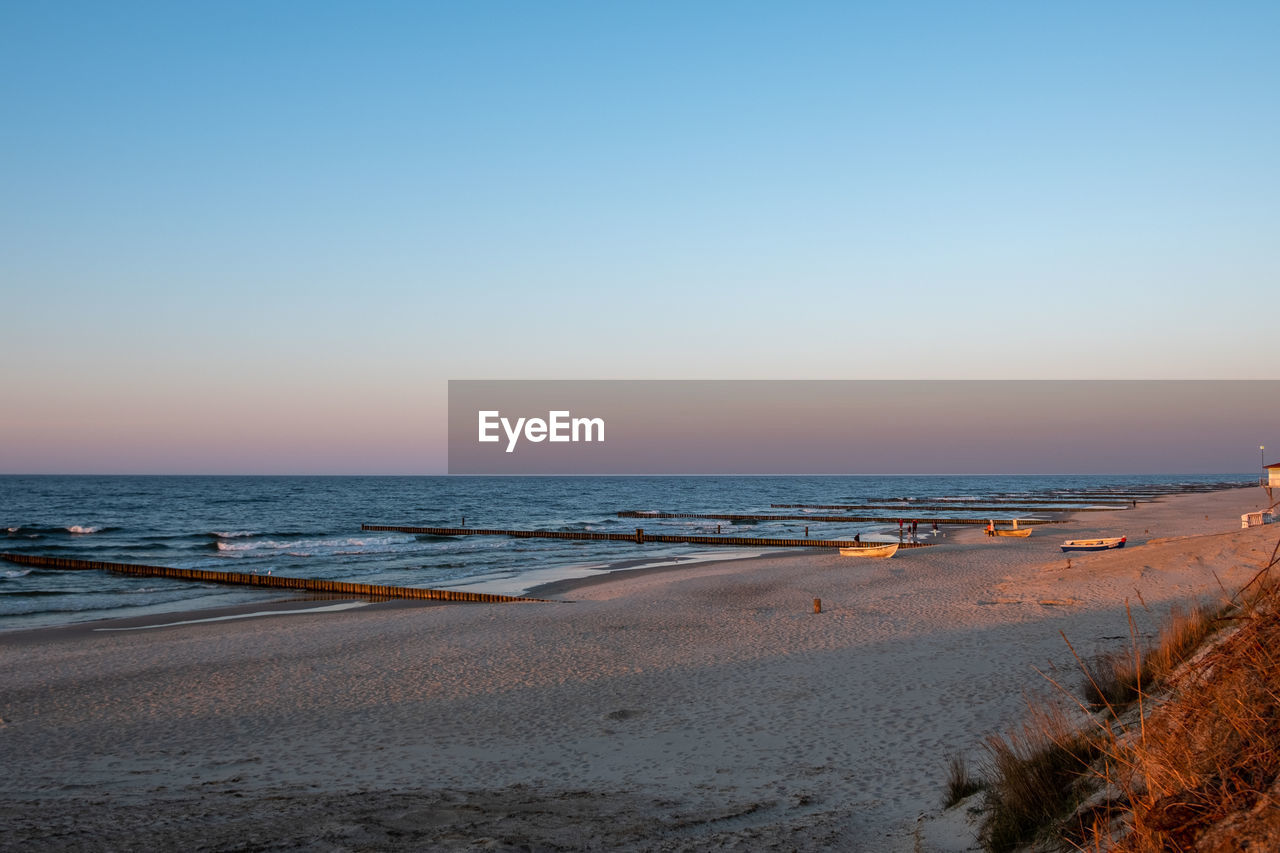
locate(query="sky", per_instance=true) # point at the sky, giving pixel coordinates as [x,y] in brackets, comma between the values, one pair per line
[261,237]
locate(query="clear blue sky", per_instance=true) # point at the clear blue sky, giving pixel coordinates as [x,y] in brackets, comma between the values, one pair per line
[260,237]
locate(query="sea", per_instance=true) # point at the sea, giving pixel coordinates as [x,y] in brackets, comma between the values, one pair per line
[309,526]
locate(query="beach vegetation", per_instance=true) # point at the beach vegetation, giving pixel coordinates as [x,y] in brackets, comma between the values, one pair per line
[1176,748]
[961,783]
[1115,680]
[1035,778]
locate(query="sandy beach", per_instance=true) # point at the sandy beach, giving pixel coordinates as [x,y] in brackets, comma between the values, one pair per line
[688,708]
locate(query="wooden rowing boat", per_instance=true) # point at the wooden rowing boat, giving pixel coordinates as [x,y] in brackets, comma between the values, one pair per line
[1094,544]
[882,551]
[1021,533]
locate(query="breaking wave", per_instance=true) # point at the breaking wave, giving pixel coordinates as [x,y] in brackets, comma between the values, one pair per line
[310,547]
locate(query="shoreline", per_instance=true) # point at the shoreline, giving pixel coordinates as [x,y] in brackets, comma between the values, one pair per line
[595,573]
[604,574]
[679,706]
[609,573]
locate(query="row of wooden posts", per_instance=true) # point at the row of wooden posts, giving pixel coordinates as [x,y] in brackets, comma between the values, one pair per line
[920,507]
[639,537]
[359,590]
[724,516]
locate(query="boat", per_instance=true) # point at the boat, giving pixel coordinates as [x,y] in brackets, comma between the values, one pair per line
[1094,544]
[882,551]
[1014,531]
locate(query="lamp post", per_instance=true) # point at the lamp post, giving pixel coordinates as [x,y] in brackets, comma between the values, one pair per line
[1262,454]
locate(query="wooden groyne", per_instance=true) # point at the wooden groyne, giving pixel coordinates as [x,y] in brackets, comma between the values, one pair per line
[357,590]
[639,537]
[725,516]
[999,505]
[1159,491]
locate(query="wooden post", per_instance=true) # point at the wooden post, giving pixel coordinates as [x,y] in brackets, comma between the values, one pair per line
[806,531]
[639,535]
[817,605]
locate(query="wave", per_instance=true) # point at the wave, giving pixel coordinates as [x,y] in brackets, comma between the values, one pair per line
[309,547]
[274,534]
[16,573]
[37,531]
[148,546]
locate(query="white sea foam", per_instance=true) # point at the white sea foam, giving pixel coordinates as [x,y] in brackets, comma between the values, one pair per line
[17,573]
[233,534]
[506,583]
[309,547]
[82,529]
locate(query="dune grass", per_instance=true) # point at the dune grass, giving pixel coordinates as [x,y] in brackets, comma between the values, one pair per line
[1197,769]
[961,784]
[1034,778]
[1208,764]
[1193,764]
[1116,680]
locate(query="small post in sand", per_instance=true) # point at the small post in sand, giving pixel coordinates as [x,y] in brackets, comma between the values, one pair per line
[817,605]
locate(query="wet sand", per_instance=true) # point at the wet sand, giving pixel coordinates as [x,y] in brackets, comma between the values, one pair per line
[679,708]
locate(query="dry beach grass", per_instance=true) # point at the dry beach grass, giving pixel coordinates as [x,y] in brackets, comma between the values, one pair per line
[1180,753]
[704,707]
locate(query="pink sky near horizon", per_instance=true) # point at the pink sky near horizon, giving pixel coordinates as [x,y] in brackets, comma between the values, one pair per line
[389,428]
[913,427]
[392,429]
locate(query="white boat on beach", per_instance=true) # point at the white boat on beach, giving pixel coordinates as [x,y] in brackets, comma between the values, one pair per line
[1094,544]
[882,551]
